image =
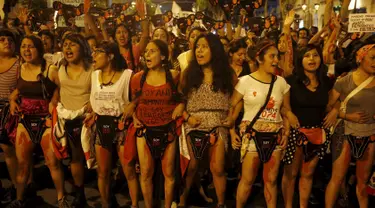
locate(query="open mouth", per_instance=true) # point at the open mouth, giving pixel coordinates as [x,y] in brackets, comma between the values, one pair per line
[69,54]
[122,40]
[274,65]
[312,64]
[27,55]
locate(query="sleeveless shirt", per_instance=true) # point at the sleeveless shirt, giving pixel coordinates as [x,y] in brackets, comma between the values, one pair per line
[110,100]
[8,80]
[74,94]
[34,89]
[155,106]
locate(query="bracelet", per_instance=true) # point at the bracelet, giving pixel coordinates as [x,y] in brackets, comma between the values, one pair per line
[187,119]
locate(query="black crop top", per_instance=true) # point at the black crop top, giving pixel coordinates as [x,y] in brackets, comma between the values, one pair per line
[42,89]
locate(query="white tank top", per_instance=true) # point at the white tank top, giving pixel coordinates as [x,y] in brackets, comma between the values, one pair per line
[110,100]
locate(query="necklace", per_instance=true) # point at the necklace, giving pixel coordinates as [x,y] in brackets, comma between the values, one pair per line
[109,83]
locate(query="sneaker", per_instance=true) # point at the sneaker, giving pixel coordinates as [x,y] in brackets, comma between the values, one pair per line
[79,200]
[313,200]
[16,204]
[9,194]
[63,203]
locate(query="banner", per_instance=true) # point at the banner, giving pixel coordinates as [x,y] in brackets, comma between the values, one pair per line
[79,20]
[361,22]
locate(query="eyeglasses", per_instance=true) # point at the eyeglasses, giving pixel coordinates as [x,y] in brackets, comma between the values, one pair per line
[98,51]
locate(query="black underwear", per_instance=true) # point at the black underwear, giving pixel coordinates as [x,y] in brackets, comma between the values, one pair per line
[157,138]
[35,125]
[358,145]
[107,128]
[200,141]
[310,150]
[265,143]
[73,130]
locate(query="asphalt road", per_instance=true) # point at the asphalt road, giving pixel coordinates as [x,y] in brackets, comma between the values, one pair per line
[46,194]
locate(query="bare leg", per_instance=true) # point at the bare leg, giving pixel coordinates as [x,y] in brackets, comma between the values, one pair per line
[104,158]
[168,165]
[289,178]
[190,174]
[306,180]
[363,171]
[250,167]
[339,170]
[76,165]
[131,176]
[11,161]
[146,163]
[24,150]
[53,164]
[217,160]
[270,172]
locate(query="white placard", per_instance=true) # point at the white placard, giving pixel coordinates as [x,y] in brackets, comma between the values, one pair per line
[361,22]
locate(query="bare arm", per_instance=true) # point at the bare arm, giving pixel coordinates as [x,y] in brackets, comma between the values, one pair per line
[330,44]
[236,99]
[317,37]
[103,28]
[288,66]
[333,101]
[229,30]
[344,13]
[328,11]
[90,25]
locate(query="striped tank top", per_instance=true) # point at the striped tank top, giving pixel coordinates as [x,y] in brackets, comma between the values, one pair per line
[8,80]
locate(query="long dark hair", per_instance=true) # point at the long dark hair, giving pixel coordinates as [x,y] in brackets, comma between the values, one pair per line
[163,47]
[85,51]
[222,73]
[38,44]
[321,72]
[118,61]
[129,43]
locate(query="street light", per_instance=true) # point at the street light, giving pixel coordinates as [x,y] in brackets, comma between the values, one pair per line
[316,6]
[304,7]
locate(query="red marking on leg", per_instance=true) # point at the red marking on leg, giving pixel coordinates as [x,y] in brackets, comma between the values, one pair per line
[267,168]
[255,163]
[46,147]
[266,177]
[267,194]
[23,142]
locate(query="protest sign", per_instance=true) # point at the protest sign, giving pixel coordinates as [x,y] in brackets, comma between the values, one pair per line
[361,23]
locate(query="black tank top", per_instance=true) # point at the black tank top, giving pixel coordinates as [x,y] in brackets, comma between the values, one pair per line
[42,89]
